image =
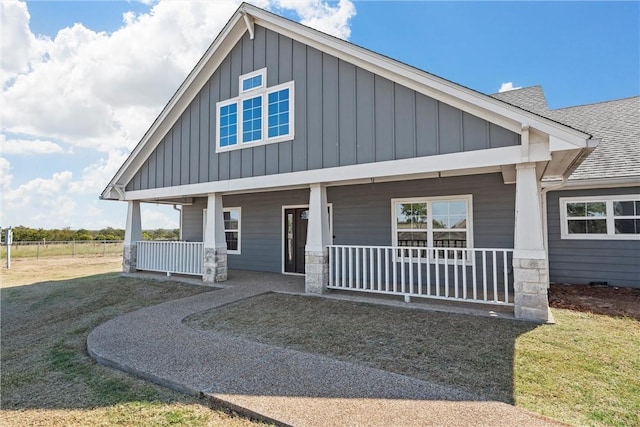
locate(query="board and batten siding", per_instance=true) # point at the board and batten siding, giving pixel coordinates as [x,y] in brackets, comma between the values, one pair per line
[616,262]
[362,215]
[344,115]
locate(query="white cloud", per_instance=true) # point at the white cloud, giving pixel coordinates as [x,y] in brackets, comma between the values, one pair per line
[102,91]
[154,217]
[25,146]
[42,201]
[5,177]
[334,20]
[96,176]
[19,47]
[507,86]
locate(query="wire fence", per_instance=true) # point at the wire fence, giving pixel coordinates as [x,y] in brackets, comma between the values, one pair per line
[78,248]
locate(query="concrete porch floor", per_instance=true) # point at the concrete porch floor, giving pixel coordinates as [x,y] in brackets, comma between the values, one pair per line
[285,386]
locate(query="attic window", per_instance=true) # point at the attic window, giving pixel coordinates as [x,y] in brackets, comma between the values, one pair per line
[258,115]
[252,81]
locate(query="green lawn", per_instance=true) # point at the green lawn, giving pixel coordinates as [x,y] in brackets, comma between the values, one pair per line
[47,377]
[62,249]
[583,371]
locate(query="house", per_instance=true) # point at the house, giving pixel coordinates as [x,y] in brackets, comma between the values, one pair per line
[291,151]
[593,217]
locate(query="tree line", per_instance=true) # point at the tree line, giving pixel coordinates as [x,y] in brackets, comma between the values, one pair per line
[28,234]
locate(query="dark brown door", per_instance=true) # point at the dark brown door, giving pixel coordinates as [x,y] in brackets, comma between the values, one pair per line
[295,239]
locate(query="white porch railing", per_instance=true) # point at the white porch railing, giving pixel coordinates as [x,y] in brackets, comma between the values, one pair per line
[170,257]
[470,275]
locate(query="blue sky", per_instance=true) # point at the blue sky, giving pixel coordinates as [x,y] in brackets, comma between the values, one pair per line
[68,121]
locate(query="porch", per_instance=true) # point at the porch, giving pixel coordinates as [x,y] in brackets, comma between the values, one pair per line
[381,241]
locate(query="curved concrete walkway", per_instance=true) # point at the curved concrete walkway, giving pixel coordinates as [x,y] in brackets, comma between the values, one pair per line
[279,384]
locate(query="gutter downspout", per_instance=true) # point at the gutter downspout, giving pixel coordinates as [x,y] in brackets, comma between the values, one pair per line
[545,226]
[592,143]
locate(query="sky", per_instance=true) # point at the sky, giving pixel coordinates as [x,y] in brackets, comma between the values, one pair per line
[82,81]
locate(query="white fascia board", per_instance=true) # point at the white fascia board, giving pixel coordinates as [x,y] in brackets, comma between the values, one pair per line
[179,102]
[470,160]
[483,106]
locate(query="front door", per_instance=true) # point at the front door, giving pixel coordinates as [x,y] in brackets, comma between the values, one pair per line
[295,239]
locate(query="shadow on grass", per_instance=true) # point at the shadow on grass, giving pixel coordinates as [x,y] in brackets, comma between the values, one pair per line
[471,353]
[44,329]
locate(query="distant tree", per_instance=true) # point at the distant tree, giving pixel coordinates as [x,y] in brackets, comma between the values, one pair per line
[82,234]
[161,234]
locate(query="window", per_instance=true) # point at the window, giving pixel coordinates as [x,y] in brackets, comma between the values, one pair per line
[443,222]
[259,115]
[254,80]
[228,119]
[232,229]
[278,116]
[252,119]
[600,217]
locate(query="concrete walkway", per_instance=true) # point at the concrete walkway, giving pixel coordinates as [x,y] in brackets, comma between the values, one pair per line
[279,384]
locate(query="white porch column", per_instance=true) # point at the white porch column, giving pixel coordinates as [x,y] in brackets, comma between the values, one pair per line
[530,266]
[318,237]
[215,244]
[132,235]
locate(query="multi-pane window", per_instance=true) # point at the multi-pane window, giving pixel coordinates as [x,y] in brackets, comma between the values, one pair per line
[600,217]
[442,222]
[228,124]
[587,218]
[278,114]
[232,229]
[259,115]
[252,119]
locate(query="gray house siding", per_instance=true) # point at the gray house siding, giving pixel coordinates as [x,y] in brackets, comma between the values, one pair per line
[344,115]
[362,215]
[616,262]
[261,229]
[191,221]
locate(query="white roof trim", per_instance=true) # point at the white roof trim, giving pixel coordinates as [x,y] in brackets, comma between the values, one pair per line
[483,106]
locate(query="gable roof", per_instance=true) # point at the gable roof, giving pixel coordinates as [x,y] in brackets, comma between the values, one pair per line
[616,123]
[501,113]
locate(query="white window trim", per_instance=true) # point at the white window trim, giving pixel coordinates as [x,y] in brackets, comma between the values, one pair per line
[219,106]
[468,198]
[608,200]
[204,228]
[239,250]
[261,72]
[264,93]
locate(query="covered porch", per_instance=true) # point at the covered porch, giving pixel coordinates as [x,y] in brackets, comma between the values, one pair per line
[514,278]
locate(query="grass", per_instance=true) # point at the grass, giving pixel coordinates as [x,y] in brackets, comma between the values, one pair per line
[47,377]
[583,371]
[57,249]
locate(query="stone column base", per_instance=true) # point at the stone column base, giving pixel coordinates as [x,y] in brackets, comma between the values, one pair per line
[129,258]
[215,265]
[531,283]
[316,272]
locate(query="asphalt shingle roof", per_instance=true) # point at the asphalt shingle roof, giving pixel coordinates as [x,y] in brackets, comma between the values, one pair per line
[616,123]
